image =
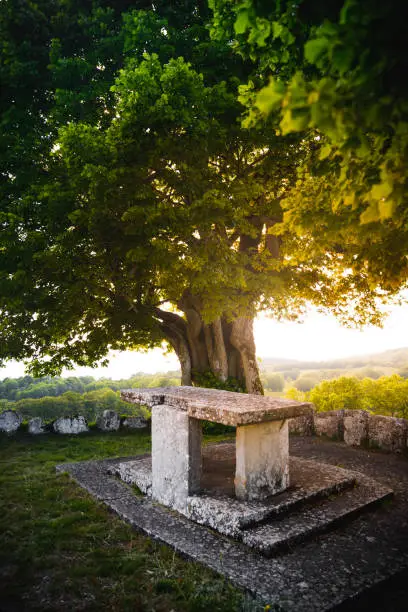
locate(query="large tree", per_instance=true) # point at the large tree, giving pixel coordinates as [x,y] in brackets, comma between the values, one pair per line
[150,213]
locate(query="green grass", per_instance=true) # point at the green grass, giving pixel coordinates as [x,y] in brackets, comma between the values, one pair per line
[62,550]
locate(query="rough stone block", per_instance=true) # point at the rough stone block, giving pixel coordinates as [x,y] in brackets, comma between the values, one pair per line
[387,433]
[302,425]
[137,422]
[262,460]
[10,421]
[176,456]
[109,420]
[355,427]
[70,425]
[226,407]
[35,426]
[329,424]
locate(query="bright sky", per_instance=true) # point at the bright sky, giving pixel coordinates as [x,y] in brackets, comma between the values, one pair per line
[318,338]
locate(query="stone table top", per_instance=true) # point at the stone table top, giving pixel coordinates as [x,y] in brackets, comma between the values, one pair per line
[226,407]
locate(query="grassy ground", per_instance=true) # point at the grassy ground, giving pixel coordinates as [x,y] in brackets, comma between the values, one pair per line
[62,550]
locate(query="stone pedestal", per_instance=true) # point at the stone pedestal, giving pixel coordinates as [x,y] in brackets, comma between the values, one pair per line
[262,460]
[176,456]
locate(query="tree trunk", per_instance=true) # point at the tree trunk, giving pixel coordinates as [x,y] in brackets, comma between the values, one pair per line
[242,338]
[223,348]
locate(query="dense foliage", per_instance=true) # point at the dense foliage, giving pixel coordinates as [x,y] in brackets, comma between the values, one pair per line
[29,387]
[51,398]
[138,208]
[335,73]
[387,395]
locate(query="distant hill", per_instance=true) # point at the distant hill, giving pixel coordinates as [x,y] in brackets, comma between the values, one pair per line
[396,359]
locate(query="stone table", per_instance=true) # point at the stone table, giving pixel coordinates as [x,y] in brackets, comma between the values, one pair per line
[262,439]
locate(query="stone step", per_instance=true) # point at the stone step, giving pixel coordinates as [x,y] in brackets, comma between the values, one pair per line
[320,496]
[311,480]
[137,472]
[282,533]
[216,506]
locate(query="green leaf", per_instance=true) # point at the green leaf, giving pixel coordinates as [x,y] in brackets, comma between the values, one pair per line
[242,22]
[387,209]
[281,31]
[263,30]
[325,152]
[270,97]
[314,49]
[294,121]
[381,190]
[371,214]
[342,58]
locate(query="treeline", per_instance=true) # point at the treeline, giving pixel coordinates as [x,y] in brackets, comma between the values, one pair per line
[15,389]
[52,397]
[307,380]
[387,395]
[304,375]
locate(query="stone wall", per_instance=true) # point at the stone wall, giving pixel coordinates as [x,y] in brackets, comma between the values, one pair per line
[356,428]
[109,420]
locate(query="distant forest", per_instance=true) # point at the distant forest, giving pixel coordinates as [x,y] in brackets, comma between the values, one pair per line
[280,374]
[51,397]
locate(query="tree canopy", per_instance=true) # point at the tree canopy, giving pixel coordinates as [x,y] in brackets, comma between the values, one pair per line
[138,207]
[336,72]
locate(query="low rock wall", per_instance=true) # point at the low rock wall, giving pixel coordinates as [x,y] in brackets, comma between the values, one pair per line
[356,428]
[109,420]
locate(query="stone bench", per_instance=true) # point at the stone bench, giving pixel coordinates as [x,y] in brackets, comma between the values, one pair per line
[262,439]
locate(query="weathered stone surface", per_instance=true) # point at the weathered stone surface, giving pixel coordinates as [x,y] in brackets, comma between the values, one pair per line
[262,460]
[138,473]
[387,433]
[319,575]
[70,425]
[36,426]
[262,434]
[302,425]
[176,456]
[216,505]
[329,424]
[109,420]
[313,577]
[355,427]
[10,421]
[226,407]
[233,517]
[137,422]
[311,520]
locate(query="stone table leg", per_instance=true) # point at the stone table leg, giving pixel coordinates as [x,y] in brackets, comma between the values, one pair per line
[262,459]
[176,456]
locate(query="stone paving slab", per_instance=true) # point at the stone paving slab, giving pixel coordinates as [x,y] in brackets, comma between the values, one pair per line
[328,570]
[226,407]
[218,508]
[311,520]
[137,472]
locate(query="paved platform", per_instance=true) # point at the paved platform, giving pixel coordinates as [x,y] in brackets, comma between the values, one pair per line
[319,574]
[320,496]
